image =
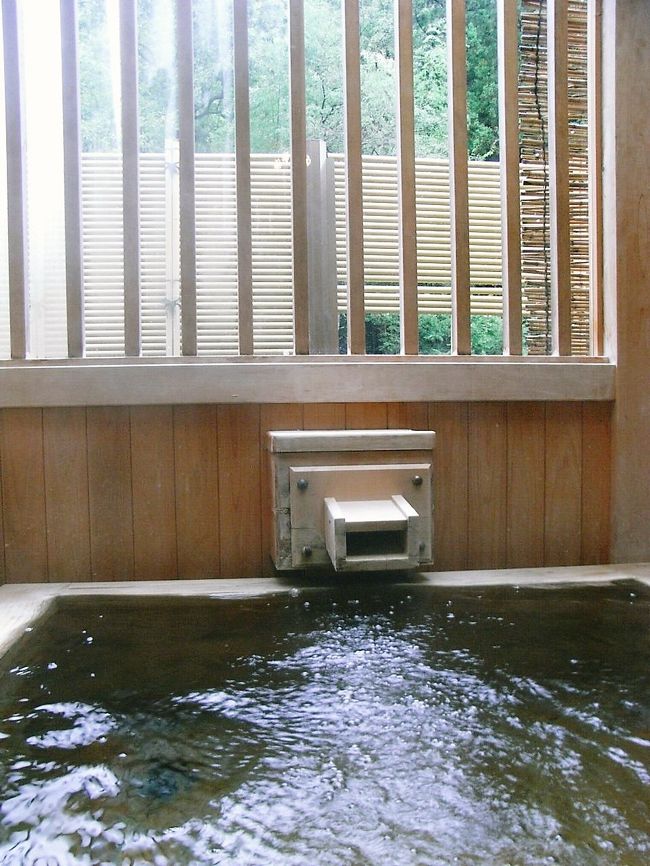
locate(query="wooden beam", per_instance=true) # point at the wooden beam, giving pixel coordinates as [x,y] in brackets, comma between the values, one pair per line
[184,61]
[408,261]
[130,175]
[595,161]
[508,41]
[72,179]
[353,180]
[461,343]
[243,177]
[558,146]
[16,193]
[299,176]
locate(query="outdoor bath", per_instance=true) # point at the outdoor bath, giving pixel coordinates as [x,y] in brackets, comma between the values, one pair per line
[490,718]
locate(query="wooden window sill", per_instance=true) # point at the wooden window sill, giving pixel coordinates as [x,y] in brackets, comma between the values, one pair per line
[324,379]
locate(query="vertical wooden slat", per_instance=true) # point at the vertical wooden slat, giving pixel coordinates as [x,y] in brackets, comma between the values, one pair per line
[449,421]
[595,161]
[525,498]
[16,198]
[130,175]
[366,416]
[596,469]
[243,174]
[185,64]
[487,485]
[154,512]
[238,434]
[66,494]
[408,264]
[353,179]
[563,485]
[558,147]
[110,493]
[286,416]
[299,177]
[321,244]
[324,416]
[458,183]
[72,176]
[508,39]
[23,496]
[197,491]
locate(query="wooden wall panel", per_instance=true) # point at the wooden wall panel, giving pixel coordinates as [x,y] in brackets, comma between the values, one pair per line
[239,490]
[563,495]
[408,416]
[23,496]
[487,468]
[596,454]
[196,475]
[525,497]
[110,493]
[450,490]
[66,494]
[154,511]
[159,492]
[324,416]
[366,416]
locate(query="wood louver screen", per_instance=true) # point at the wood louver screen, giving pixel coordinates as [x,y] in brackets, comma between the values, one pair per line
[238,252]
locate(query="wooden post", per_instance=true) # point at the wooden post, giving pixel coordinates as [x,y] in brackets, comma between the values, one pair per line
[595,143]
[508,33]
[558,146]
[626,160]
[243,183]
[408,262]
[16,197]
[461,343]
[321,218]
[354,180]
[130,175]
[184,60]
[299,176]
[72,178]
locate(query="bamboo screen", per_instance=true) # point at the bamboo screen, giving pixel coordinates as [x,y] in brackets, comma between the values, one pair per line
[433,257]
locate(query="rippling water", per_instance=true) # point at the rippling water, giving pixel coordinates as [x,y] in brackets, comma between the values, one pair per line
[375,725]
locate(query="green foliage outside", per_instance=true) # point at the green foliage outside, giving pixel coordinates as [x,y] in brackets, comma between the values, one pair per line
[382,334]
[269,80]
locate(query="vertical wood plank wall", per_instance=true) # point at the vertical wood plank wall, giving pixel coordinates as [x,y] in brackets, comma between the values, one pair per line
[182,492]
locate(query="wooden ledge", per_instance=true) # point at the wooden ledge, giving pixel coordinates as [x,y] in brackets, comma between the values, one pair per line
[142,381]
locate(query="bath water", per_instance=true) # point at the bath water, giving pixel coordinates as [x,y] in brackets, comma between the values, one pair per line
[396,725]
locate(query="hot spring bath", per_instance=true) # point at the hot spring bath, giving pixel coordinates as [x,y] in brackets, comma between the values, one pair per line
[371,724]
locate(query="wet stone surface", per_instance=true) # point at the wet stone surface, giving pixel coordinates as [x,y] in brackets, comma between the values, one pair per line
[367,725]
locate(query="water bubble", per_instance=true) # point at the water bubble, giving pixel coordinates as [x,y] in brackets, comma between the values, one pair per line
[294,592]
